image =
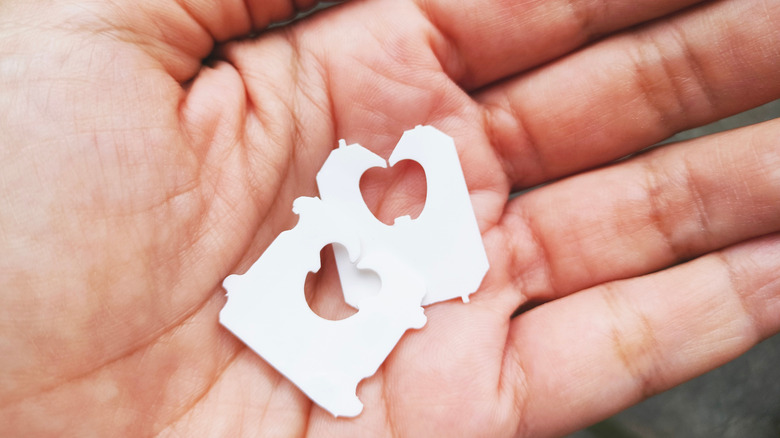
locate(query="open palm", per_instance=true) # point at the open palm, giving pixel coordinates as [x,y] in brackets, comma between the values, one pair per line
[150,149]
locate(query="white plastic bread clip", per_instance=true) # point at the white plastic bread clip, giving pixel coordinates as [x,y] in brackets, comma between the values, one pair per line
[443,244]
[436,257]
[326,359]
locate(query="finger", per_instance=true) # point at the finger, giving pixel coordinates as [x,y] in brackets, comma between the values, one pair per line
[599,351]
[635,89]
[189,29]
[639,216]
[479,42]
[177,34]
[465,32]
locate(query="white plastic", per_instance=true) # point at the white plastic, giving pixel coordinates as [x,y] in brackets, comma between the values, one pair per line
[436,257]
[267,309]
[443,244]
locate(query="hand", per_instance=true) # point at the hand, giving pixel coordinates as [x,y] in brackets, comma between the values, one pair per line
[150,149]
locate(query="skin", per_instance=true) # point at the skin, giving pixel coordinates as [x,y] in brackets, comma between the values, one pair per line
[151,148]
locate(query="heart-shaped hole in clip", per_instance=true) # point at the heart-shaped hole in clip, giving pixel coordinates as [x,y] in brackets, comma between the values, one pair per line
[323,291]
[393,192]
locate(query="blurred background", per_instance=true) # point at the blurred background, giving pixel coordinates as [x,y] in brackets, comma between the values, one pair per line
[738,400]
